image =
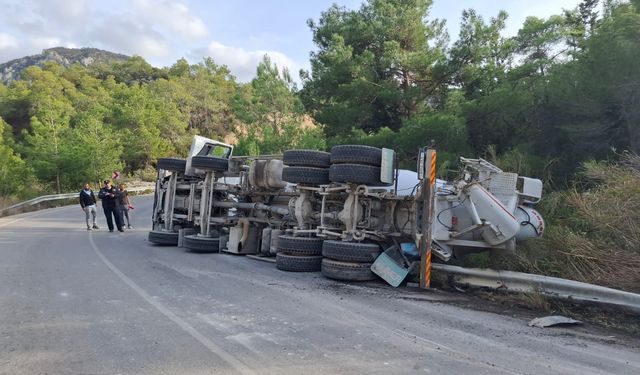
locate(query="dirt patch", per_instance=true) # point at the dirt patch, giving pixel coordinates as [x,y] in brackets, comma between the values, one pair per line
[600,323]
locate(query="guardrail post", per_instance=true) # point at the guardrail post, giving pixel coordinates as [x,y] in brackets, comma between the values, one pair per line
[426,199]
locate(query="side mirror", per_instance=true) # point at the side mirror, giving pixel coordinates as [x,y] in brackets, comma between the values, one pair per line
[422,164]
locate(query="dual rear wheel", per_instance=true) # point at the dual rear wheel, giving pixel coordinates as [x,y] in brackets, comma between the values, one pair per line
[344,164]
[339,260]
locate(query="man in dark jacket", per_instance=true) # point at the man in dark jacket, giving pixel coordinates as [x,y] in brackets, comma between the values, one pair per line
[108,196]
[88,204]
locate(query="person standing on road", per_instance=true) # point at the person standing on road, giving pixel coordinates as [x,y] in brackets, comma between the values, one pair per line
[108,196]
[88,204]
[123,204]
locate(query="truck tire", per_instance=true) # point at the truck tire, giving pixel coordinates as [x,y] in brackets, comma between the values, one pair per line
[355,173]
[199,244]
[351,251]
[305,175]
[163,238]
[294,263]
[210,163]
[307,158]
[300,245]
[172,164]
[346,271]
[356,154]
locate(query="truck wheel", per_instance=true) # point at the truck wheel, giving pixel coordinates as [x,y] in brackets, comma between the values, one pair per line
[355,173]
[346,271]
[210,163]
[163,238]
[305,175]
[356,154]
[307,158]
[172,164]
[300,245]
[294,263]
[350,251]
[199,244]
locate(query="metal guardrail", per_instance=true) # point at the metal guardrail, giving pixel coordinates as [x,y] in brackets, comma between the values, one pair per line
[548,286]
[20,207]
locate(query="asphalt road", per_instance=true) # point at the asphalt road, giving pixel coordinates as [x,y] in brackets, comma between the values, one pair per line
[80,302]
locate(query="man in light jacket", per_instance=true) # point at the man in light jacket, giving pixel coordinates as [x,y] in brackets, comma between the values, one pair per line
[88,204]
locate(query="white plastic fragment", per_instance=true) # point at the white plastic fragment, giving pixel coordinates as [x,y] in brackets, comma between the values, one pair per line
[553,320]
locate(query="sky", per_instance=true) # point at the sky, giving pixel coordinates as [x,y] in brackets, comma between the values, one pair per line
[236,33]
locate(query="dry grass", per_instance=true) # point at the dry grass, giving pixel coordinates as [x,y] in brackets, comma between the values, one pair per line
[534,300]
[6,202]
[626,323]
[594,235]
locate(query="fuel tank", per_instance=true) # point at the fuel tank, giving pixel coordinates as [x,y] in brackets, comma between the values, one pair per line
[266,174]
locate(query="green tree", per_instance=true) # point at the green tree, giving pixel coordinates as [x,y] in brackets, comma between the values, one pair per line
[273,101]
[211,88]
[170,98]
[180,69]
[49,132]
[597,97]
[136,119]
[375,66]
[481,57]
[135,70]
[15,106]
[269,99]
[273,115]
[539,43]
[581,23]
[16,177]
[94,151]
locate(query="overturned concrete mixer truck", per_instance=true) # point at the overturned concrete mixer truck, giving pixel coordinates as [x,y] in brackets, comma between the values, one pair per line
[337,211]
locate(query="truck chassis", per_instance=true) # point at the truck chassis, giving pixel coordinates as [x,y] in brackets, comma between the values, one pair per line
[336,211]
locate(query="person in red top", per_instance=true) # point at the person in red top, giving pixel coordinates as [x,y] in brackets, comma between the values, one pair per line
[123,204]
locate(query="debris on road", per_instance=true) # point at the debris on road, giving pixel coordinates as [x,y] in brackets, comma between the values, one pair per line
[553,320]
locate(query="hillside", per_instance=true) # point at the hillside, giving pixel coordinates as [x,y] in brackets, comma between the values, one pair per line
[12,70]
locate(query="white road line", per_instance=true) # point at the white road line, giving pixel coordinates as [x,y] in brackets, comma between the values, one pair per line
[10,222]
[215,349]
[30,215]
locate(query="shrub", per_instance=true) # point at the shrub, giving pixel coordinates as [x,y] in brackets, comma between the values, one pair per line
[594,234]
[147,174]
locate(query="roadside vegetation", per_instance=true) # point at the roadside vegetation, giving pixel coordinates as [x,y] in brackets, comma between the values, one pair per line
[560,101]
[592,229]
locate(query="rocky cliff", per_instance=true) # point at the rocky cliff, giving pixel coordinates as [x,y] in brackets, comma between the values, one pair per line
[12,70]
